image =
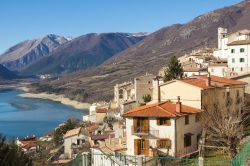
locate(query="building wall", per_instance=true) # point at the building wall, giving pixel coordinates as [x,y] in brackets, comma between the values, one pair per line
[175,133]
[143,86]
[182,129]
[218,96]
[100,159]
[67,145]
[234,63]
[190,95]
[164,132]
[220,71]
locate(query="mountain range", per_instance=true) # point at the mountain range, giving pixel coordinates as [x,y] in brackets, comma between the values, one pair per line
[5,74]
[27,52]
[99,62]
[83,52]
[153,52]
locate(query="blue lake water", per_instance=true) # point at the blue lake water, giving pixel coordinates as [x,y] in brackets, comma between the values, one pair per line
[20,117]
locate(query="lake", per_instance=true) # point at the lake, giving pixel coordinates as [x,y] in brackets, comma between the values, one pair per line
[20,117]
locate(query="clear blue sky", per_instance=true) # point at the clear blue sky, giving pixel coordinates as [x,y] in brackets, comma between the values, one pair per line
[28,19]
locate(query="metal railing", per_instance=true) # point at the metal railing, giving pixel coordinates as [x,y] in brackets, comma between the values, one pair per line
[144,131]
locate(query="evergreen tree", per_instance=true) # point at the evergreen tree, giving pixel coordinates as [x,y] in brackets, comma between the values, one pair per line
[174,70]
[12,155]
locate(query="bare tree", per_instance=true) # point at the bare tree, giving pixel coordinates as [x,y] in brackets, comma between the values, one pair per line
[224,127]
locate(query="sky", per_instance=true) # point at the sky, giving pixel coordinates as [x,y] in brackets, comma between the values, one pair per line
[28,19]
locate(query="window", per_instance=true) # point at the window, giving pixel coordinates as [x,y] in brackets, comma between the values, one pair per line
[186,120]
[242,50]
[164,122]
[120,94]
[187,139]
[197,117]
[233,60]
[232,51]
[233,69]
[241,69]
[164,143]
[242,60]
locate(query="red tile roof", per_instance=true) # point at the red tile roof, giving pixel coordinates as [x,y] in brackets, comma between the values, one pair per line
[102,136]
[101,110]
[163,109]
[200,81]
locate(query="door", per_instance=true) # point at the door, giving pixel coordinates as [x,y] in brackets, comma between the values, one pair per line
[141,147]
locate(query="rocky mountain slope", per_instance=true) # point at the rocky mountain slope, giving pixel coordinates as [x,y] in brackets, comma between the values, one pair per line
[84,52]
[5,74]
[27,52]
[153,52]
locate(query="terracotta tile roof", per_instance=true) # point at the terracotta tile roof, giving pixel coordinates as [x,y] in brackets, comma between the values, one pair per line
[72,132]
[102,136]
[239,42]
[101,110]
[92,127]
[200,81]
[163,109]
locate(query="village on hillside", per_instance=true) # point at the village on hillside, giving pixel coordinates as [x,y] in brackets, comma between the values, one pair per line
[194,112]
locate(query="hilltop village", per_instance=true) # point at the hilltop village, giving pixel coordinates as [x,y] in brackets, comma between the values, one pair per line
[157,120]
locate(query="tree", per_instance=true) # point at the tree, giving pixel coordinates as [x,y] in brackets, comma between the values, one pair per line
[224,128]
[146,98]
[60,131]
[174,70]
[12,155]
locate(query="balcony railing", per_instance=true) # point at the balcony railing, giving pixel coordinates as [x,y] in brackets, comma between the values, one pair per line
[144,131]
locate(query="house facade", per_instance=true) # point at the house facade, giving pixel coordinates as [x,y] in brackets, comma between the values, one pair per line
[165,128]
[74,140]
[239,57]
[203,91]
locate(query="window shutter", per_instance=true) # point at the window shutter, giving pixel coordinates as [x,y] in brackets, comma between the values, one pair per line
[135,124]
[146,123]
[136,142]
[147,147]
[168,122]
[158,143]
[158,122]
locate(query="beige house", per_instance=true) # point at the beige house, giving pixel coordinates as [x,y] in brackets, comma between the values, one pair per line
[203,91]
[129,95]
[165,128]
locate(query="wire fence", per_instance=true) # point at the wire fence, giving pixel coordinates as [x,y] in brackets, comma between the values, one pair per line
[241,159]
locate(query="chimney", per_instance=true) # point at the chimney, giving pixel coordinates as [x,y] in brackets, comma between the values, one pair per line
[178,105]
[208,80]
[159,89]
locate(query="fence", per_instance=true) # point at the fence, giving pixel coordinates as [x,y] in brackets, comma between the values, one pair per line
[87,159]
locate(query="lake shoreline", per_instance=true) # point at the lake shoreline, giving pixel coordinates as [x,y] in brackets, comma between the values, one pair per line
[53,97]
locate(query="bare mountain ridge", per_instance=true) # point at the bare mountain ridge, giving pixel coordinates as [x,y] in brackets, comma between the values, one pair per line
[84,52]
[153,52]
[27,52]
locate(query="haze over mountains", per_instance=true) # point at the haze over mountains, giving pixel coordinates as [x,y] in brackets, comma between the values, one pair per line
[153,52]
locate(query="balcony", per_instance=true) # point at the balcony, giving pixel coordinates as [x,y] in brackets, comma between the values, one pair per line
[144,131]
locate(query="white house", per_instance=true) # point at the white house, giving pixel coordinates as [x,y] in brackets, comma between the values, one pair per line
[239,57]
[165,128]
[235,47]
[218,68]
[74,139]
